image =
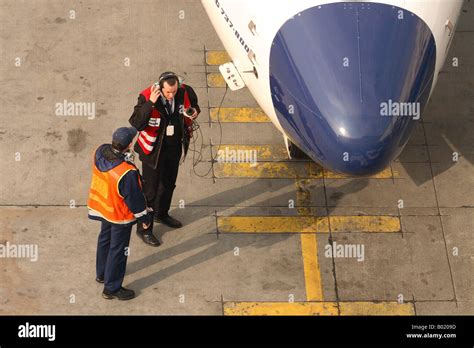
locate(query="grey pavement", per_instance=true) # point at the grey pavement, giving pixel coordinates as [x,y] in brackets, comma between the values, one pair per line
[106,55]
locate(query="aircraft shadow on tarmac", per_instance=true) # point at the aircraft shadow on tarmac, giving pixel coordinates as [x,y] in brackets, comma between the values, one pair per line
[449,122]
[215,247]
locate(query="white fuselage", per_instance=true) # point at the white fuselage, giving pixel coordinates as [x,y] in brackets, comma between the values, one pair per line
[231,16]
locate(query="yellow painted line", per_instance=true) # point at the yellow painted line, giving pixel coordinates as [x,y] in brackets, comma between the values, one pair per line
[272,224]
[217,57]
[243,115]
[309,246]
[269,170]
[281,170]
[215,80]
[280,308]
[317,308]
[312,273]
[263,152]
[278,153]
[307,224]
[385,174]
[376,308]
[365,224]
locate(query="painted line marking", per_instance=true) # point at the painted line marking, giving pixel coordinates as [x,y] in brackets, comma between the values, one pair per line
[265,153]
[376,224]
[269,170]
[272,224]
[215,80]
[282,167]
[312,273]
[239,115]
[308,224]
[309,246]
[217,57]
[387,173]
[317,308]
[282,170]
[376,308]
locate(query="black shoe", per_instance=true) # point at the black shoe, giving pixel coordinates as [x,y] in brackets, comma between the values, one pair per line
[149,238]
[168,221]
[122,295]
[99,280]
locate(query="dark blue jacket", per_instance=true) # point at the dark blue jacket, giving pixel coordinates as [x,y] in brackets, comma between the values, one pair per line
[105,160]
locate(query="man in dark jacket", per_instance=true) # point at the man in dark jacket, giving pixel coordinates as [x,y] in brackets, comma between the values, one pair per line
[116,199]
[163,116]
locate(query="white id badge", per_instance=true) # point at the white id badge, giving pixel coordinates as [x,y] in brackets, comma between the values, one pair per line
[154,122]
[170,131]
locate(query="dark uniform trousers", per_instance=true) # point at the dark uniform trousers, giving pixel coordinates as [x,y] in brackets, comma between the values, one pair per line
[159,183]
[112,255]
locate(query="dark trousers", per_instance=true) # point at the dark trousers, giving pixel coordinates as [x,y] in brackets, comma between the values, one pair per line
[111,254]
[160,183]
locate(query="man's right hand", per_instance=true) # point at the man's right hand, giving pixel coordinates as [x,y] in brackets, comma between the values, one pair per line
[145,226]
[155,93]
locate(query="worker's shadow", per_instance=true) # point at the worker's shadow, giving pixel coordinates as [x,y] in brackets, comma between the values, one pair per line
[214,245]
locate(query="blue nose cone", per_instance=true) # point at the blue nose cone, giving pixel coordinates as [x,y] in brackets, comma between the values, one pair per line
[349,82]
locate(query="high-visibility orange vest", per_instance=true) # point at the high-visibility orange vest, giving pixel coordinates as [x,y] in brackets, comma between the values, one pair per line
[105,200]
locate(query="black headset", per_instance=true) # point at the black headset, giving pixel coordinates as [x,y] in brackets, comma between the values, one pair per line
[167,76]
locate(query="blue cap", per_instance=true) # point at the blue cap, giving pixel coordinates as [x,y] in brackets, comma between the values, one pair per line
[124,135]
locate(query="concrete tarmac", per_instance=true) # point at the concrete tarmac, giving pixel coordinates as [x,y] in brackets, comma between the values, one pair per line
[272,237]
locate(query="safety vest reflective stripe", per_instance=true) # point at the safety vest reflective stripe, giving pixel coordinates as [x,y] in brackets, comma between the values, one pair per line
[148,137]
[145,147]
[92,212]
[101,202]
[143,213]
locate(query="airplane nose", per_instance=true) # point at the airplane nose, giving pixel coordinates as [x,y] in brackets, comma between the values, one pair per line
[350,80]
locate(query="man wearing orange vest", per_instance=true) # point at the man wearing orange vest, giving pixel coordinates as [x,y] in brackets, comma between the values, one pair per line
[164,135]
[116,199]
